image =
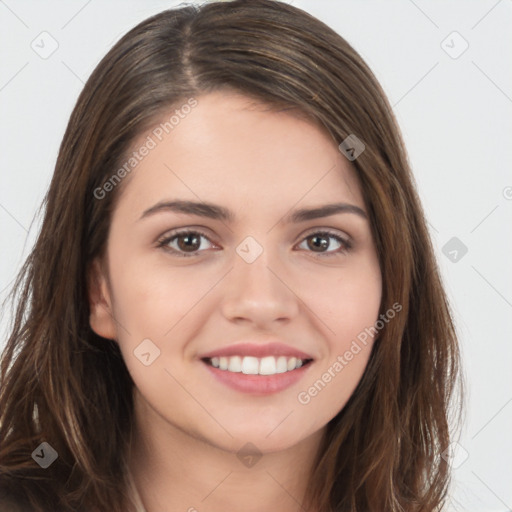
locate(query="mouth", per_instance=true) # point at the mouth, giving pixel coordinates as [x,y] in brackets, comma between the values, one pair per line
[257,376]
[248,365]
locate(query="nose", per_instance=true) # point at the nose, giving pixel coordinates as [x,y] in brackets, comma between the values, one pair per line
[259,293]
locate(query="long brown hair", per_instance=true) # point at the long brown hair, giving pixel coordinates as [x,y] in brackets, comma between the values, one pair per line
[63,384]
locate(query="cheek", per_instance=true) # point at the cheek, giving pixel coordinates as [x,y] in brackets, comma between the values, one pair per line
[357,306]
[348,307]
[150,299]
[345,299]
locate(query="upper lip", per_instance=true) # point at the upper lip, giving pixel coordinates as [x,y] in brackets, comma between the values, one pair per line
[257,350]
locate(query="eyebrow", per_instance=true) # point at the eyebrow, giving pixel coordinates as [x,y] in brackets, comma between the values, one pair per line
[217,212]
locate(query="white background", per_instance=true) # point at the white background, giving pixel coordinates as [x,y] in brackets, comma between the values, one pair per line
[456,117]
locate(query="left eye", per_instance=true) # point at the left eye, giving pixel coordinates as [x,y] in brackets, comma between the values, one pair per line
[319,241]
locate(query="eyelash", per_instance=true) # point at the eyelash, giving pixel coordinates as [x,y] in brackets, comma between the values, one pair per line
[164,243]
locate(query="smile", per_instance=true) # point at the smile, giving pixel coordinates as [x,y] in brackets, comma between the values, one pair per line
[257,376]
[248,365]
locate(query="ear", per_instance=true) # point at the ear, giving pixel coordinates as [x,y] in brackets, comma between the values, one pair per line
[101,318]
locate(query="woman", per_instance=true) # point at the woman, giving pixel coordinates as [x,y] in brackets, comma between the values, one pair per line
[233,294]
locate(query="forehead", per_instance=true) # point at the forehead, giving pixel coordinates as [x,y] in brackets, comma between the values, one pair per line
[229,148]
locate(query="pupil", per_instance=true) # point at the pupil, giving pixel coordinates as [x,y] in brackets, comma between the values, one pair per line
[187,245]
[324,243]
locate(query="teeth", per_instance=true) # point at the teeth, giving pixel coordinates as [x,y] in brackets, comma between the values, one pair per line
[249,365]
[235,364]
[282,365]
[268,366]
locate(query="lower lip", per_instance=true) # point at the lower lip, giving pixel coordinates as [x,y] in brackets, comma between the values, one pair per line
[258,384]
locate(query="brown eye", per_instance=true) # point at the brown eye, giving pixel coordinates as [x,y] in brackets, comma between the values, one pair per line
[189,242]
[185,243]
[320,242]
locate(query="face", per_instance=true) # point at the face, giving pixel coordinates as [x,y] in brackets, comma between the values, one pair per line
[221,253]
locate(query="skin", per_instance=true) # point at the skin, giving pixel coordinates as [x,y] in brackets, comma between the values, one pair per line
[188,426]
